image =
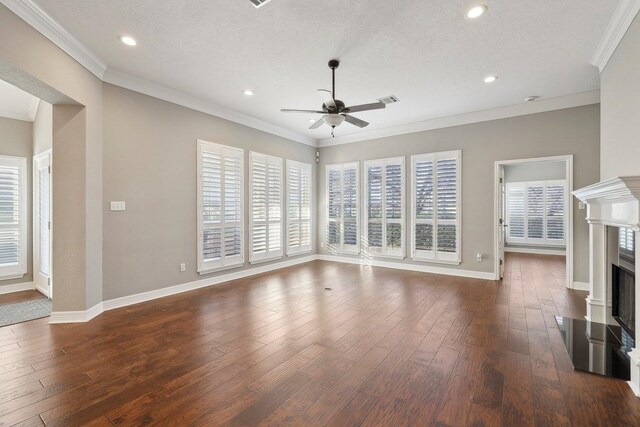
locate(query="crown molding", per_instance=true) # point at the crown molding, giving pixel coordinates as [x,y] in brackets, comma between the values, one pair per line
[167,94]
[525,108]
[622,18]
[39,19]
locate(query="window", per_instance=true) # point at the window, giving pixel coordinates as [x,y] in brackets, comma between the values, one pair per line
[536,212]
[265,221]
[13,217]
[298,207]
[384,210]
[435,210]
[342,208]
[626,244]
[220,207]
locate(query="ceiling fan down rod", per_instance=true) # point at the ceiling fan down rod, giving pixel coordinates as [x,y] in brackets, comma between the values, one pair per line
[333,64]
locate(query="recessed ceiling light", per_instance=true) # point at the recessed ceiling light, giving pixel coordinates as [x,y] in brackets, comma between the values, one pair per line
[531,98]
[476,12]
[128,40]
[312,120]
[490,79]
[248,92]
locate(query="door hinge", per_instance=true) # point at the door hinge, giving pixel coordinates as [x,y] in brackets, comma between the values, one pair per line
[49,225]
[500,180]
[49,169]
[501,261]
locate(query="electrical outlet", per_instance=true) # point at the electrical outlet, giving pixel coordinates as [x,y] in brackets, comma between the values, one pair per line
[118,206]
[183,267]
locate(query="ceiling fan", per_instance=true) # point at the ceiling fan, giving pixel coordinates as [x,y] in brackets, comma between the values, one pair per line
[334,111]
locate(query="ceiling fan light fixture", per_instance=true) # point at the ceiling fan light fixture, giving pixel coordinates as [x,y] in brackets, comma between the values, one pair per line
[334,120]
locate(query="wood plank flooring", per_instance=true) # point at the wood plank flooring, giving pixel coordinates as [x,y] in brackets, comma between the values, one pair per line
[383,347]
[22,296]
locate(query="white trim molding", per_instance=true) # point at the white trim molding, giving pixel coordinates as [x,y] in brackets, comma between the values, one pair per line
[164,93]
[622,18]
[581,286]
[16,287]
[532,250]
[422,268]
[46,25]
[76,316]
[523,109]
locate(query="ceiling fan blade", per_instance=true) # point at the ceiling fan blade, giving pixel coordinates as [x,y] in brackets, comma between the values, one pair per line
[286,110]
[366,107]
[317,124]
[327,99]
[355,121]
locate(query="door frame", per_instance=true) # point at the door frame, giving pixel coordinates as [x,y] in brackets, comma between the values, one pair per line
[35,223]
[568,159]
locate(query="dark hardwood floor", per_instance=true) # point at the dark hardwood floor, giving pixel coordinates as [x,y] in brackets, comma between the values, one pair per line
[383,347]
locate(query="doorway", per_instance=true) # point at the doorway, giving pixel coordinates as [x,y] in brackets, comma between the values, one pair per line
[42,208]
[533,211]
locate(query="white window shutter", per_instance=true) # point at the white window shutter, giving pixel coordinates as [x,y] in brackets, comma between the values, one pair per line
[299,207]
[343,199]
[13,217]
[435,195]
[220,213]
[536,212]
[265,227]
[384,211]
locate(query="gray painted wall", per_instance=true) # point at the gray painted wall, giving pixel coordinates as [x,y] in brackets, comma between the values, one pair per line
[150,163]
[534,171]
[16,140]
[620,97]
[571,131]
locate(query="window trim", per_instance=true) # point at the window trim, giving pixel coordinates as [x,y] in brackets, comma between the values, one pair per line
[307,248]
[20,269]
[342,249]
[457,258]
[203,267]
[544,241]
[253,258]
[365,216]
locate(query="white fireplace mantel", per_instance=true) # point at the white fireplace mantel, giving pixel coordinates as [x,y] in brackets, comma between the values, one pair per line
[614,202]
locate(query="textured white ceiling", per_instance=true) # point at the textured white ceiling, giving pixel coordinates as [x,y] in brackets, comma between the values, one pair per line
[16,103]
[422,51]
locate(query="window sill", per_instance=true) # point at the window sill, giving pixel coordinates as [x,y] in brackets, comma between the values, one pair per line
[382,256]
[260,261]
[12,276]
[217,269]
[298,253]
[437,261]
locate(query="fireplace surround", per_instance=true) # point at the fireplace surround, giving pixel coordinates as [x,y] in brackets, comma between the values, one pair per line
[611,203]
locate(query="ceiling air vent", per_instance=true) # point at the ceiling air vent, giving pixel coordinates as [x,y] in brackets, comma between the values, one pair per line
[391,99]
[259,3]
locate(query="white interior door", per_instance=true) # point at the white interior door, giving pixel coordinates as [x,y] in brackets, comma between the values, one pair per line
[42,223]
[502,226]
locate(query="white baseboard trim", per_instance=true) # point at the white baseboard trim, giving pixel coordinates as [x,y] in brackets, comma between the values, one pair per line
[410,267]
[85,316]
[76,316]
[538,251]
[581,286]
[17,287]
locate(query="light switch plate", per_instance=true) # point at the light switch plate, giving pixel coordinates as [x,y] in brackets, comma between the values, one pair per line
[118,206]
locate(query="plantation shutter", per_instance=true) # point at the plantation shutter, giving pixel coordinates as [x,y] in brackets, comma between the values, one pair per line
[555,199]
[626,244]
[343,208]
[515,211]
[298,207]
[265,226]
[221,193]
[13,217]
[384,185]
[536,212]
[436,207]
